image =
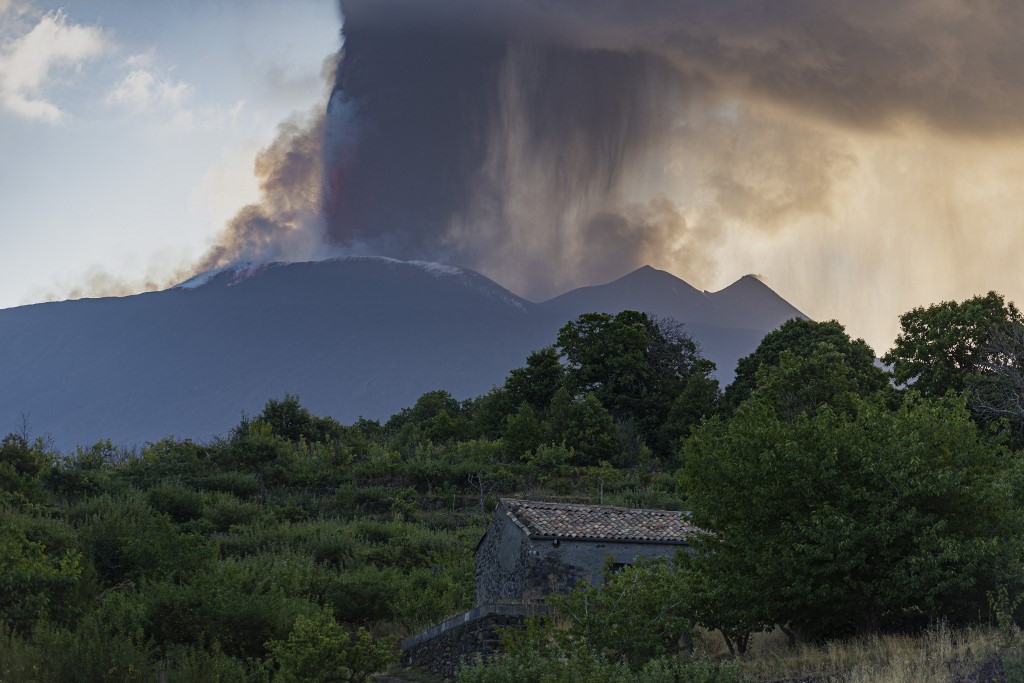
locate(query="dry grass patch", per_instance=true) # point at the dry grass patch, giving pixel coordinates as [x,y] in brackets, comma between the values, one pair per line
[936,655]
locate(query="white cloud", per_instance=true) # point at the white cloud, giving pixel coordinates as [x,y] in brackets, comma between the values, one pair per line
[142,60]
[27,63]
[166,101]
[143,91]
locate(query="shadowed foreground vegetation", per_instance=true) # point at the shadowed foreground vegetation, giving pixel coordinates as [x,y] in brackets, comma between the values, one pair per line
[838,507]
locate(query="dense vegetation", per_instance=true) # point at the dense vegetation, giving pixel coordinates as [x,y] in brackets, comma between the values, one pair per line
[296,548]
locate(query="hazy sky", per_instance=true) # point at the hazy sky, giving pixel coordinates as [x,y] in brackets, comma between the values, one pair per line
[864,158]
[128,129]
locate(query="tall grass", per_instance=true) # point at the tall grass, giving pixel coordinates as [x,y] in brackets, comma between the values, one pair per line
[938,654]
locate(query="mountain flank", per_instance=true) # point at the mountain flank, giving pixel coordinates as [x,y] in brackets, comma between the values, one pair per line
[355,336]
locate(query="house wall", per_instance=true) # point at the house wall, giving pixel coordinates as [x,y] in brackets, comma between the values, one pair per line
[511,567]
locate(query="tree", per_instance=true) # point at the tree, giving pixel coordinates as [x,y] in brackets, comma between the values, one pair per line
[800,385]
[634,614]
[997,389]
[585,427]
[21,467]
[536,383]
[488,412]
[839,522]
[699,398]
[253,446]
[319,650]
[522,432]
[289,419]
[636,366]
[802,337]
[32,585]
[436,416]
[941,347]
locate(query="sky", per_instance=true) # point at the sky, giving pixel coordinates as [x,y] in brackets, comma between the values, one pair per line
[861,158]
[128,130]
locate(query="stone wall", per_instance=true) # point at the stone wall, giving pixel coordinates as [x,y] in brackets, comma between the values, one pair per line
[443,648]
[501,562]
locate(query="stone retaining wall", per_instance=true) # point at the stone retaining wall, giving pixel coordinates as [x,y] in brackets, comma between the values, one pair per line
[442,649]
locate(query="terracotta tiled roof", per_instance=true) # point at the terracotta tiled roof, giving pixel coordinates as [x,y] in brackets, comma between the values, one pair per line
[598,523]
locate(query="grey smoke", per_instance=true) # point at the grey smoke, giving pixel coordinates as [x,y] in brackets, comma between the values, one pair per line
[484,132]
[555,143]
[481,146]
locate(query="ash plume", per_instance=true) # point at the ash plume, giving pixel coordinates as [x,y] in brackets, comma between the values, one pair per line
[864,156]
[550,144]
[286,224]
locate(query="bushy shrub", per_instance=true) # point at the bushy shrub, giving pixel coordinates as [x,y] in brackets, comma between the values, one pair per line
[636,614]
[236,604]
[325,541]
[108,644]
[187,664]
[243,485]
[21,467]
[32,584]
[88,471]
[168,459]
[404,545]
[428,595]
[224,511]
[182,504]
[318,649]
[364,595]
[127,540]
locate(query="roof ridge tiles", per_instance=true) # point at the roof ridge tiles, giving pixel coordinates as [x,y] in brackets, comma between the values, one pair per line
[552,519]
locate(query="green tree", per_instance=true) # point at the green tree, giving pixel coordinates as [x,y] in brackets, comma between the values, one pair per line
[997,390]
[802,338]
[634,614]
[127,541]
[289,419]
[851,522]
[699,398]
[523,432]
[319,650]
[21,467]
[941,347]
[536,383]
[585,427]
[798,385]
[735,608]
[87,471]
[436,416]
[489,411]
[254,447]
[636,366]
[32,585]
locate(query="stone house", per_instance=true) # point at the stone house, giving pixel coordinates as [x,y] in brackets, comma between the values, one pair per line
[532,549]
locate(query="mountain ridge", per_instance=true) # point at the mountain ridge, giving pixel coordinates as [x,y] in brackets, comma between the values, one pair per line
[353,337]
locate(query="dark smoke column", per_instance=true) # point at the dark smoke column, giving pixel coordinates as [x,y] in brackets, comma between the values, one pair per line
[459,132]
[418,105]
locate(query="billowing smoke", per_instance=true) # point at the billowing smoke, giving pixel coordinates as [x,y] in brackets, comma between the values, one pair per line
[866,157]
[830,145]
[473,140]
[287,223]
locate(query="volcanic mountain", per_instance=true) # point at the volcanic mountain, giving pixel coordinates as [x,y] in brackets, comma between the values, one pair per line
[355,336]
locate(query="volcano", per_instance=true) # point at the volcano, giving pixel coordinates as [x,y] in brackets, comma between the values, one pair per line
[354,336]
